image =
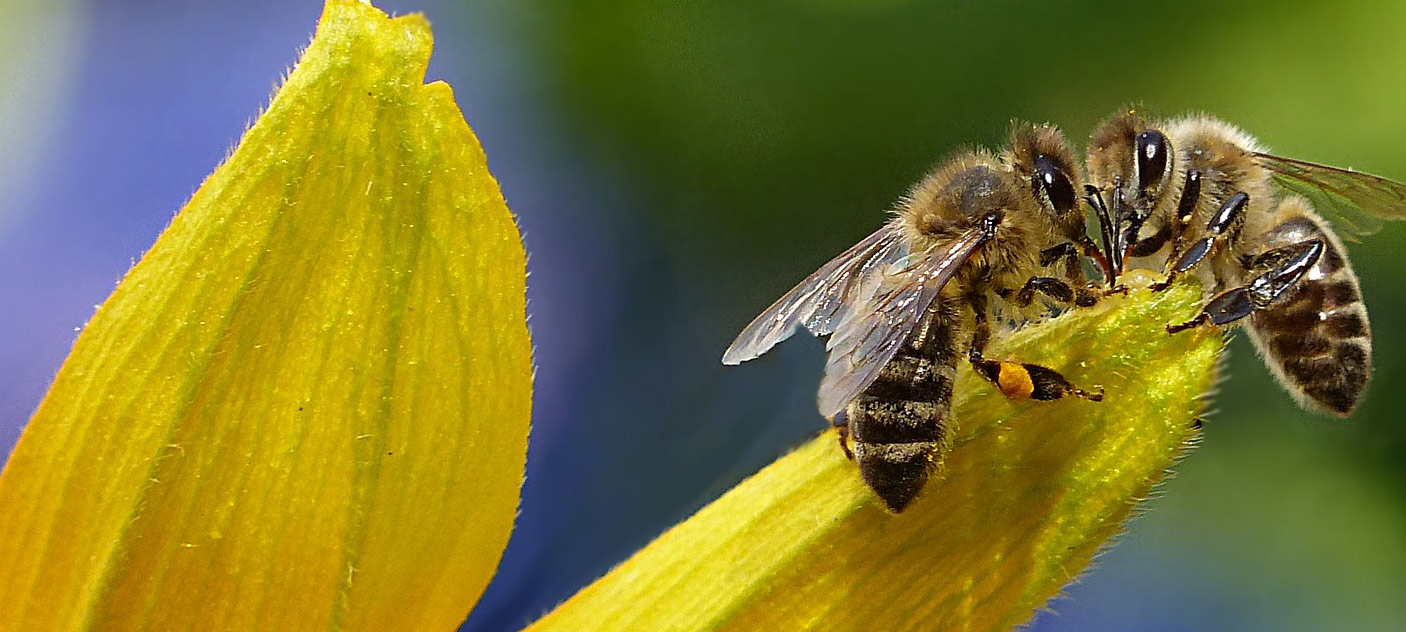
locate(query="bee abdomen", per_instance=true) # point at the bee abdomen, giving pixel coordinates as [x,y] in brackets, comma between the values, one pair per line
[899,425]
[897,444]
[1317,337]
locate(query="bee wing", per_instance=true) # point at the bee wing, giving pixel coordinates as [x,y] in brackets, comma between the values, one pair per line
[1355,201]
[817,300]
[871,331]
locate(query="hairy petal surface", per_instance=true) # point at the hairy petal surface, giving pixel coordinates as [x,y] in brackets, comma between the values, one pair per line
[307,406]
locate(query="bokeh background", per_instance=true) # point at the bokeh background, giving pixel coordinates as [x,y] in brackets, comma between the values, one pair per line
[677,165]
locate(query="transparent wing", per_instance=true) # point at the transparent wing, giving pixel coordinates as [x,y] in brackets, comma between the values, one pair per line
[1355,202]
[817,300]
[870,332]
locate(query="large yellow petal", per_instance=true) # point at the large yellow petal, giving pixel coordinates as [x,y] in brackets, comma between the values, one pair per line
[307,406]
[1031,491]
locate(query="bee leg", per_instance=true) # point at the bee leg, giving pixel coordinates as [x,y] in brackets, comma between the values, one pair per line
[1286,266]
[1204,316]
[1054,254]
[841,423]
[1070,252]
[1017,380]
[981,329]
[1149,245]
[1050,384]
[1056,289]
[1022,380]
[1186,207]
[1220,227]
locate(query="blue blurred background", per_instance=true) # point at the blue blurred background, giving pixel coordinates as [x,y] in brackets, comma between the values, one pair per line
[675,166]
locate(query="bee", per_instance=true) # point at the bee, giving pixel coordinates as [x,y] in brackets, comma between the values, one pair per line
[1205,197]
[904,305]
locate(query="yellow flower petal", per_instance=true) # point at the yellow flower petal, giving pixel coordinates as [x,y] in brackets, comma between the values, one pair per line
[307,407]
[1031,491]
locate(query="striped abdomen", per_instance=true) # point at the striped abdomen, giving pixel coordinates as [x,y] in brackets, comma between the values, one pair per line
[899,423]
[1316,337]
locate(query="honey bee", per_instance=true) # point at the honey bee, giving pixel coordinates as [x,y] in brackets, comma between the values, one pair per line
[1204,196]
[903,305]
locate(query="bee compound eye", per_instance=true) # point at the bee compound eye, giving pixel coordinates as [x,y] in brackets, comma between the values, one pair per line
[1152,149]
[1055,183]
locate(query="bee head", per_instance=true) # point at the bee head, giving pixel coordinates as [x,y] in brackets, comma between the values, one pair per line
[1042,160]
[1130,162]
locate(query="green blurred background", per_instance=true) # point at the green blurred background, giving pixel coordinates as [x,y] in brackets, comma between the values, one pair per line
[678,165]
